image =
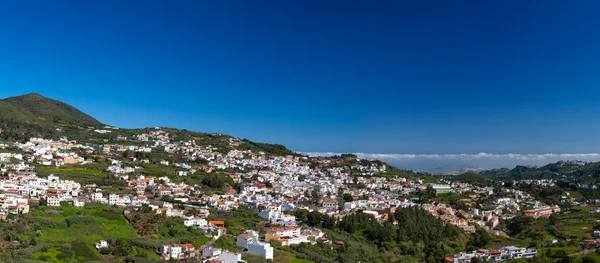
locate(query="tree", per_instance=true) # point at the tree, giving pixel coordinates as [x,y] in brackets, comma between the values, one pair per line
[347,197]
[591,259]
[552,219]
[43,202]
[479,239]
[425,196]
[127,154]
[301,214]
[213,181]
[315,194]
[314,218]
[146,209]
[328,222]
[518,224]
[340,199]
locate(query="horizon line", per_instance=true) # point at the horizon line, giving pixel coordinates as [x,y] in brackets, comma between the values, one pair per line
[465,156]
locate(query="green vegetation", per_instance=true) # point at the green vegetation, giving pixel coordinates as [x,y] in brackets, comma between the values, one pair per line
[574,226]
[238,220]
[92,223]
[52,110]
[65,233]
[418,235]
[585,173]
[270,149]
[32,115]
[227,244]
[84,252]
[569,176]
[89,174]
[473,178]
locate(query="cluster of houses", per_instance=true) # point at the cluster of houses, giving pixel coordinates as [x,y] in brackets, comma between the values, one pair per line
[493,255]
[22,185]
[52,153]
[291,179]
[177,251]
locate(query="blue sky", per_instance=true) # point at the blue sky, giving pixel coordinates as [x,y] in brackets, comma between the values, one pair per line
[369,76]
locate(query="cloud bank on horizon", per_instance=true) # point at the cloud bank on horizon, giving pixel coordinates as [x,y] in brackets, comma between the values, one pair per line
[480,160]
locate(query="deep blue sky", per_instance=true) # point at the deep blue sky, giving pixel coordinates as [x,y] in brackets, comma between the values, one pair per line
[341,76]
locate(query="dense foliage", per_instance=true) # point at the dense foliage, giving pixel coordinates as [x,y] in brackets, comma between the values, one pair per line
[416,235]
[32,115]
[473,178]
[273,149]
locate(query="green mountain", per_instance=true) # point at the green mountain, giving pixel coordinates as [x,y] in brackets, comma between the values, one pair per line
[52,110]
[576,171]
[473,178]
[33,115]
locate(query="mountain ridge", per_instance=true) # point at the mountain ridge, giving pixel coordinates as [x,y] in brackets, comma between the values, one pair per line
[579,170]
[47,108]
[35,115]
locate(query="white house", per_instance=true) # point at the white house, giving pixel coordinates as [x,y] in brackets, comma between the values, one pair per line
[262,249]
[211,251]
[441,188]
[284,231]
[295,240]
[196,221]
[175,251]
[243,240]
[79,202]
[330,203]
[53,201]
[101,244]
[230,257]
[283,219]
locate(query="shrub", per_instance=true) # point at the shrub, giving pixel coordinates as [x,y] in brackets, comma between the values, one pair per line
[81,219]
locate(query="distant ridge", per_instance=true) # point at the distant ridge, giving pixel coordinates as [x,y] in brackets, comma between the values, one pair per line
[585,171]
[34,114]
[51,110]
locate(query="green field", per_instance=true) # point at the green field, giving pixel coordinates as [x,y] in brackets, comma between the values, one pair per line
[106,224]
[299,260]
[73,241]
[578,230]
[580,224]
[568,249]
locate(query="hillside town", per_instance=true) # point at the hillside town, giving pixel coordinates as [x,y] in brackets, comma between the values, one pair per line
[275,187]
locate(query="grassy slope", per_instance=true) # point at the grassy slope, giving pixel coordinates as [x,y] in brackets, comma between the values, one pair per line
[49,108]
[473,178]
[81,237]
[18,114]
